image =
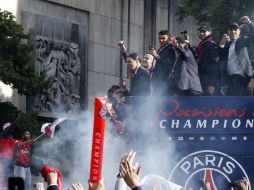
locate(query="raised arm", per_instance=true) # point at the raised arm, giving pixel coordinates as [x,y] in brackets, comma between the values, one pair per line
[247,29]
[123,49]
[24,143]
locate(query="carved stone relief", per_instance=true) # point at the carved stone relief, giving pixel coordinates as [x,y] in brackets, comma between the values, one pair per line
[59,62]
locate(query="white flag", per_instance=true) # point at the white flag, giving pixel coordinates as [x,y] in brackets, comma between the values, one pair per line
[49,128]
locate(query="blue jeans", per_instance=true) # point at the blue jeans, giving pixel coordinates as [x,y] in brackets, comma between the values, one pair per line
[7,167]
[25,173]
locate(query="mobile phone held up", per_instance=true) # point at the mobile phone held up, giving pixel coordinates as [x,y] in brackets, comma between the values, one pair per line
[151,48]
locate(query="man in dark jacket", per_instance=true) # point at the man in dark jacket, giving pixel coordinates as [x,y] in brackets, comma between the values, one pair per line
[234,53]
[186,70]
[207,57]
[147,61]
[140,80]
[163,69]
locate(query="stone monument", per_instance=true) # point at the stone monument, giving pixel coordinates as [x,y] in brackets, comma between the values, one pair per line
[59,62]
[60,56]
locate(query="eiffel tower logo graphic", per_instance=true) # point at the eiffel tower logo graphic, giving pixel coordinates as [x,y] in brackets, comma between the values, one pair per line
[208,179]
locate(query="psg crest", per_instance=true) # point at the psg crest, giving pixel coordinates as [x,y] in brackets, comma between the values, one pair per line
[103,112]
[214,167]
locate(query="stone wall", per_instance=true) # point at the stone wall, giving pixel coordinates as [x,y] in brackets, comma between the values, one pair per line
[99,25]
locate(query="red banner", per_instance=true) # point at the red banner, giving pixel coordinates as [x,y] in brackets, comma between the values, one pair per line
[100,114]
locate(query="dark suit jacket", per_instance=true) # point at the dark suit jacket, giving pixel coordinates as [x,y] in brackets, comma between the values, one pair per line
[208,66]
[162,70]
[52,187]
[140,84]
[241,51]
[186,71]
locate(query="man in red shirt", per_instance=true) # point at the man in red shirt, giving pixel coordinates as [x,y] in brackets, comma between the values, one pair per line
[22,159]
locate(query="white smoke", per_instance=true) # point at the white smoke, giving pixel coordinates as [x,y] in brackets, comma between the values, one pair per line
[70,150]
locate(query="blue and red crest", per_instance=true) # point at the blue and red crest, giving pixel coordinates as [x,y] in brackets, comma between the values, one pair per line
[216,169]
[103,112]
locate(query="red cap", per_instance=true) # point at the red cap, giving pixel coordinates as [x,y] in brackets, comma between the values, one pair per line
[48,169]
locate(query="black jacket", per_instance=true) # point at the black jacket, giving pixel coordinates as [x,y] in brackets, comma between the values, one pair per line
[140,84]
[186,71]
[208,65]
[162,70]
[52,187]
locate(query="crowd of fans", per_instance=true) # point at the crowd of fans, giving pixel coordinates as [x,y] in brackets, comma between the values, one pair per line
[20,175]
[128,175]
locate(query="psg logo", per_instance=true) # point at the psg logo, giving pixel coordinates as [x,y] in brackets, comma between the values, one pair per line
[103,112]
[214,167]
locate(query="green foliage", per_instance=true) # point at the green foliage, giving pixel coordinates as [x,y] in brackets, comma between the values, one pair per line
[23,121]
[15,58]
[27,122]
[8,112]
[218,13]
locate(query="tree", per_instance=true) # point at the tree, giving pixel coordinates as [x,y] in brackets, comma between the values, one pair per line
[23,121]
[217,13]
[8,113]
[15,58]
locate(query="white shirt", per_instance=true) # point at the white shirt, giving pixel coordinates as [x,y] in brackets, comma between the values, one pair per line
[234,65]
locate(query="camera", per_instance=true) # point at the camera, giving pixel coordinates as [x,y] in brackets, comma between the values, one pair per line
[151,47]
[185,35]
[184,32]
[180,40]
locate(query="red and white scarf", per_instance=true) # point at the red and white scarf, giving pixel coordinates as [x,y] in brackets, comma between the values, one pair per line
[200,48]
